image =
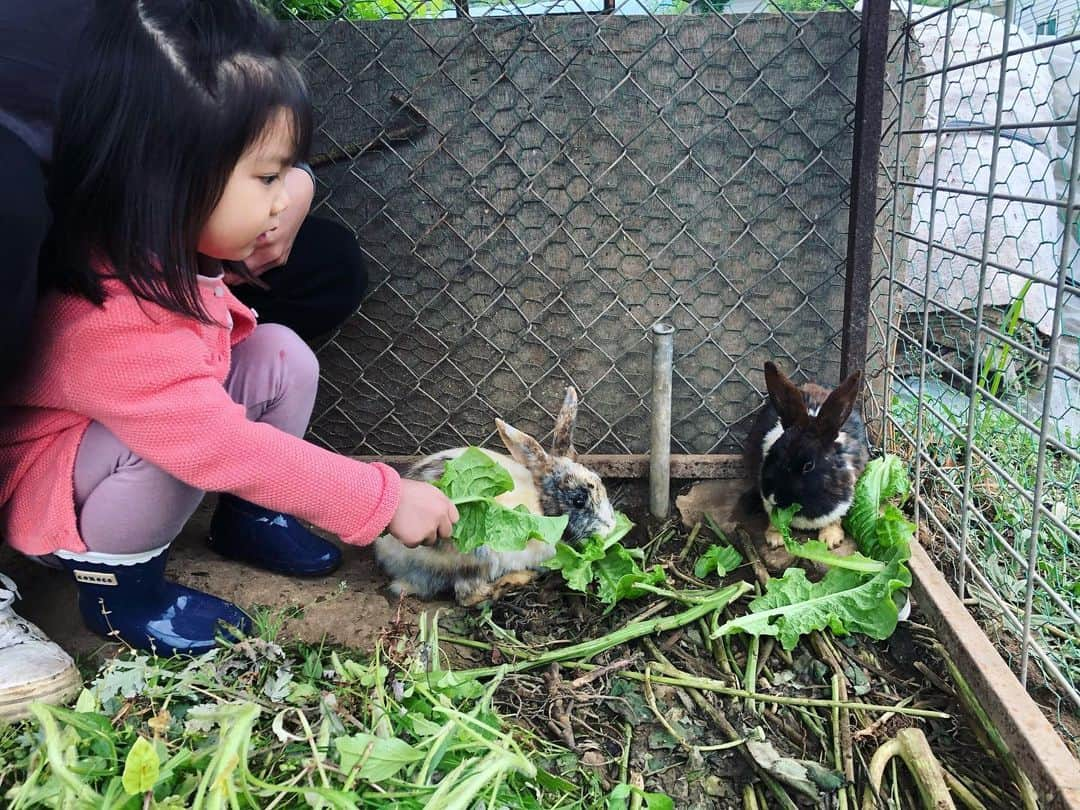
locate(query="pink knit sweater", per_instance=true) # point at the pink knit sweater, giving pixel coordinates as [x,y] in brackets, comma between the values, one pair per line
[155,379]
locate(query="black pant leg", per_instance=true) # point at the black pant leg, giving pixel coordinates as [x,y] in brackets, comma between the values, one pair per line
[24,221]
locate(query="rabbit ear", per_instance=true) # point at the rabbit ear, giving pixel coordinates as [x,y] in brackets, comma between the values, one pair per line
[562,443]
[785,397]
[837,407]
[524,449]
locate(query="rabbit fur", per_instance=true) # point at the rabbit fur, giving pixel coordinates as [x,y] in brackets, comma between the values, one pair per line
[545,483]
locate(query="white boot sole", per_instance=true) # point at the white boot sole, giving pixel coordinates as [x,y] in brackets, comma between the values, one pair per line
[57,689]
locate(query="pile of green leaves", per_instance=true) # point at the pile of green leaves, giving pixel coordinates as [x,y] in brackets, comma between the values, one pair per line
[255,725]
[857,592]
[473,481]
[603,567]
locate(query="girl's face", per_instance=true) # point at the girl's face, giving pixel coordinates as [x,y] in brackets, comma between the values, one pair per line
[254,197]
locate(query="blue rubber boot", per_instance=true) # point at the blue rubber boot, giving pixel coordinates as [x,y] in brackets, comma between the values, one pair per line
[127,596]
[270,540]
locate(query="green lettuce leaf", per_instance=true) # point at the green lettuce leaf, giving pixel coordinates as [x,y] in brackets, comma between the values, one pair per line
[619,572]
[856,594]
[844,601]
[576,566]
[474,473]
[893,531]
[721,559]
[472,481]
[816,551]
[883,480]
[490,524]
[603,562]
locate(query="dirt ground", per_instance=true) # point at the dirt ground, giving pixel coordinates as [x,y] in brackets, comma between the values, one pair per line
[349,607]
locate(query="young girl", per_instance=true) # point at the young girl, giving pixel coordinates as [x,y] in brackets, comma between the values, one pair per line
[150,382]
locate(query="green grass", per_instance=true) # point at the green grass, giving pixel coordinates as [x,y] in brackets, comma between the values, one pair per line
[999,505]
[256,725]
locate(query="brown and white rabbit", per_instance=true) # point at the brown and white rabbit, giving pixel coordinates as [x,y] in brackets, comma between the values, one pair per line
[807,446]
[546,483]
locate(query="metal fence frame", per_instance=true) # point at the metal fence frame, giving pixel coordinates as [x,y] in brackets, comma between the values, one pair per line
[596,434]
[946,498]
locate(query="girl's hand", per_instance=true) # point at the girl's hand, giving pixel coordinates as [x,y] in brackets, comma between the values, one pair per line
[423,514]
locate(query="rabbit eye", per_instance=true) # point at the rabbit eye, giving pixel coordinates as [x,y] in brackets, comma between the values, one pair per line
[578,500]
[808,466]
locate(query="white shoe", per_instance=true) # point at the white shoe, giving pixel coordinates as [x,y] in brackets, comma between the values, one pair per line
[32,668]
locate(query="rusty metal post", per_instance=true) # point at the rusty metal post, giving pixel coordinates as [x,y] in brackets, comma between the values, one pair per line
[866,153]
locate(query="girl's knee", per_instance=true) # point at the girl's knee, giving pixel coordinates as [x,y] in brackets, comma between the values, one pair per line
[142,507]
[276,344]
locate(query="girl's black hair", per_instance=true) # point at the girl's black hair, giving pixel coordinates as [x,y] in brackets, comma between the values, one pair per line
[163,99]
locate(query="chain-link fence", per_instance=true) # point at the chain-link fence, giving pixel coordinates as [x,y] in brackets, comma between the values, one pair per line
[985,378]
[533,192]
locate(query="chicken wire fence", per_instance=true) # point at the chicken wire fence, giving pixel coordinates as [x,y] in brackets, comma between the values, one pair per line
[533,190]
[983,283]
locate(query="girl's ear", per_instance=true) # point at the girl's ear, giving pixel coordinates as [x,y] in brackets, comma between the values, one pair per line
[785,397]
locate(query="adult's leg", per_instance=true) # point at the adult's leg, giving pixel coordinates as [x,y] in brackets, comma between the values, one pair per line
[33,669]
[24,221]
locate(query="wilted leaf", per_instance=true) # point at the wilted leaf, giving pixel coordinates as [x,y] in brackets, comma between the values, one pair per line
[805,776]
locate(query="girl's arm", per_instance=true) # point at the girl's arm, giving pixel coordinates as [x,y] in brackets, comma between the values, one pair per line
[150,384]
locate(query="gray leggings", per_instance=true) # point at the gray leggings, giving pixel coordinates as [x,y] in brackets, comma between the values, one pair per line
[126,505]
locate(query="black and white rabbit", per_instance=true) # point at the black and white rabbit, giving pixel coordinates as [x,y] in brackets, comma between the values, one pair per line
[807,446]
[546,483]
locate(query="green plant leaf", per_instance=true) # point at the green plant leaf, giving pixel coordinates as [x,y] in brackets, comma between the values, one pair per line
[893,530]
[619,572]
[141,767]
[381,757]
[883,479]
[577,566]
[781,518]
[490,524]
[472,481]
[816,551]
[623,525]
[720,559]
[474,472]
[845,601]
[603,561]
[620,798]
